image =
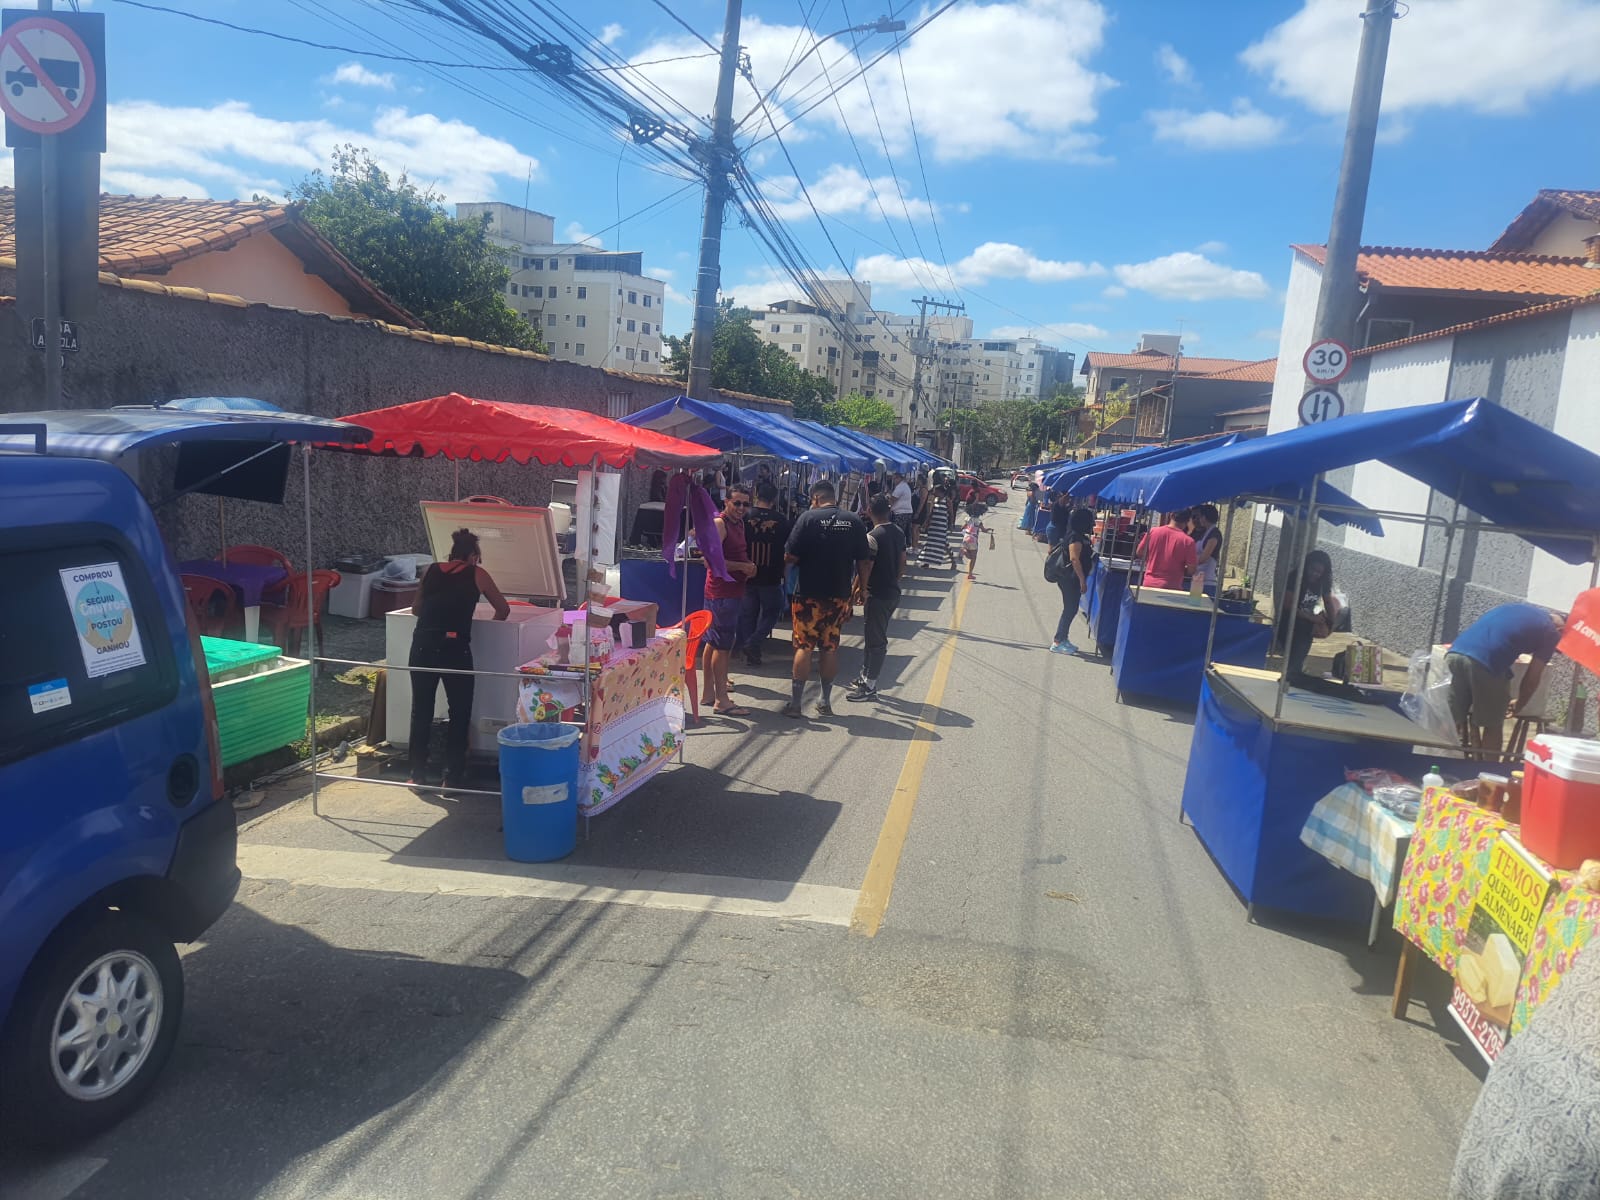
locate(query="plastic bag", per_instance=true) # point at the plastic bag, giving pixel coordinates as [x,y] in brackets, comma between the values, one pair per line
[1427,698]
[402,569]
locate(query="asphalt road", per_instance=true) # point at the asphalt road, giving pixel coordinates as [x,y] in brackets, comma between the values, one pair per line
[1064,998]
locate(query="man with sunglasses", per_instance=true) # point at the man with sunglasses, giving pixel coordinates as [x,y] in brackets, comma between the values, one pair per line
[725,600]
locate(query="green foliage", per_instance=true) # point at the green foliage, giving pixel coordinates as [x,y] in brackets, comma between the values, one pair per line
[443,269]
[742,362]
[1009,432]
[861,412]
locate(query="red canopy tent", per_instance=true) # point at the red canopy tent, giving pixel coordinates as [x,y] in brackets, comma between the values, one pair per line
[465,429]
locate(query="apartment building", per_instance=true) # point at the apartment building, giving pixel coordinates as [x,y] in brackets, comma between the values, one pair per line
[593,306]
[856,347]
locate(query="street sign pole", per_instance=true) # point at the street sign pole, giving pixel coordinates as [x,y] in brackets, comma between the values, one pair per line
[49,163]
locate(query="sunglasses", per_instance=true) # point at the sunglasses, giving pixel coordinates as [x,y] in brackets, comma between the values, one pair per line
[739,503]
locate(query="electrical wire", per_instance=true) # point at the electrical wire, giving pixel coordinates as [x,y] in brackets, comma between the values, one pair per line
[692,30]
[933,212]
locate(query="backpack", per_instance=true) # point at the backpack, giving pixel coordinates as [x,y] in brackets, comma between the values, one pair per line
[1058,563]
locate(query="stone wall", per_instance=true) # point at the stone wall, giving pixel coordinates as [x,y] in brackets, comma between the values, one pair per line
[148,343]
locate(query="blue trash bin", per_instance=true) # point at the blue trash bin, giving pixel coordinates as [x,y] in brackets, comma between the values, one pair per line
[539,790]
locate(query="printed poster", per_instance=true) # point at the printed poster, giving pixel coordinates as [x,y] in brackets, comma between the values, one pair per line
[1499,933]
[102,614]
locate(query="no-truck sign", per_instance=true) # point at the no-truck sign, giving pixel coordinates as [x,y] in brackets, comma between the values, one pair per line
[48,78]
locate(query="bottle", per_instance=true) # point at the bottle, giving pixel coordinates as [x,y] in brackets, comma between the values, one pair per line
[1196,586]
[1432,779]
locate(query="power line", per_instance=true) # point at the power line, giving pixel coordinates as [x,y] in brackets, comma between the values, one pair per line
[664,8]
[916,142]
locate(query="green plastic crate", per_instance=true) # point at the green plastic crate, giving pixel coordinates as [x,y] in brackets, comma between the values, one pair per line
[262,712]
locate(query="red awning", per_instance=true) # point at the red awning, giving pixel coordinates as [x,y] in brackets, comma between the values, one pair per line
[460,427]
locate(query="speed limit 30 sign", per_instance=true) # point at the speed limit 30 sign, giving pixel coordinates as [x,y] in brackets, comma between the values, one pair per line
[1327,361]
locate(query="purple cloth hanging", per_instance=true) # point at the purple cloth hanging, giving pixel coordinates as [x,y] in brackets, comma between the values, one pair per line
[703,514]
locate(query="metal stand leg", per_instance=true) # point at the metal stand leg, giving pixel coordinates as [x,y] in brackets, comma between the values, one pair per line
[1372,928]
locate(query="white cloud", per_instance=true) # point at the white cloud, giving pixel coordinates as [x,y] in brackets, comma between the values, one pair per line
[230,150]
[841,189]
[611,34]
[356,75]
[1175,66]
[1244,127]
[576,234]
[992,260]
[1114,292]
[1478,54]
[975,95]
[1190,276]
[1071,330]
[1212,248]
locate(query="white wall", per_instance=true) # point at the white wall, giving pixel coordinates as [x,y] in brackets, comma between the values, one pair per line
[1550,581]
[1299,319]
[1403,378]
[1564,236]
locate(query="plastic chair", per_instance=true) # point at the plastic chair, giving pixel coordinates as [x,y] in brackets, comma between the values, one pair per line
[695,626]
[287,621]
[212,604]
[262,556]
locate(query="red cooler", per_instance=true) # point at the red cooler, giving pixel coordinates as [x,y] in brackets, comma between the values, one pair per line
[1561,800]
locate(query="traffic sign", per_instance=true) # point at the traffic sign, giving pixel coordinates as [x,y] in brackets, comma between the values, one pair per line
[48,79]
[1327,361]
[1321,404]
[68,340]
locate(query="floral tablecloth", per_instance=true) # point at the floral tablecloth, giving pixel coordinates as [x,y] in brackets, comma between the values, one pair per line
[635,715]
[1448,859]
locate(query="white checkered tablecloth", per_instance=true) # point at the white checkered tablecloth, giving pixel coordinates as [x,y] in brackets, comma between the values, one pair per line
[1352,830]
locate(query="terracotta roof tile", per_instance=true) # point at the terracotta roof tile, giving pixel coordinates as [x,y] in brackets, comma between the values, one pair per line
[1156,363]
[1481,271]
[1546,206]
[1264,371]
[1521,314]
[144,234]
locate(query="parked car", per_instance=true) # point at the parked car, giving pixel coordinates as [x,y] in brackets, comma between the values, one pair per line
[116,842]
[970,487]
[1020,480]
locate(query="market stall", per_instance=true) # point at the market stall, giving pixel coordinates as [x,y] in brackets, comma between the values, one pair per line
[635,717]
[522,557]
[1457,853]
[1265,751]
[1161,639]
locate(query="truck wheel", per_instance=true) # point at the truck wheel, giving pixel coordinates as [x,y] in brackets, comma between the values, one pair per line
[91,1029]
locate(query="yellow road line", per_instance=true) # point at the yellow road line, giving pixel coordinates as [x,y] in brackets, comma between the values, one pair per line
[879,883]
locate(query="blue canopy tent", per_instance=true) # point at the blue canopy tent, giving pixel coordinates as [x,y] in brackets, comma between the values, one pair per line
[724,427]
[1265,752]
[1096,481]
[1064,477]
[865,444]
[856,457]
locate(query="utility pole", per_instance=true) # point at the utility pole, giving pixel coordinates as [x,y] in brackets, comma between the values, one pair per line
[717,156]
[919,347]
[1338,300]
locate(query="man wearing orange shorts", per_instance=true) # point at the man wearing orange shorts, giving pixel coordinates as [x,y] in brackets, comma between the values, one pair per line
[830,551]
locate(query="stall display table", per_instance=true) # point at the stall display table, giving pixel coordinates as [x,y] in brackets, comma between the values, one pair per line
[1443,873]
[249,580]
[1252,782]
[1353,831]
[1102,605]
[635,720]
[1161,643]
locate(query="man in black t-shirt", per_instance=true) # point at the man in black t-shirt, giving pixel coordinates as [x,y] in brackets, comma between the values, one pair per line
[766,532]
[888,542]
[830,550]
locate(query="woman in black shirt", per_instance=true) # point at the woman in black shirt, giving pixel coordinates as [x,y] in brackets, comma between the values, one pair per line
[445,603]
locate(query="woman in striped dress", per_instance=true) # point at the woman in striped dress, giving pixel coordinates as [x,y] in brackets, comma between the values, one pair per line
[935,548]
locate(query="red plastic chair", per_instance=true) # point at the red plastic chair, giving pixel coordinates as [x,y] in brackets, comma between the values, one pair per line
[212,603]
[287,621]
[695,626]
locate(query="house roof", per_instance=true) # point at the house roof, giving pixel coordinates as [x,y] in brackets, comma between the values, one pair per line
[1247,412]
[144,235]
[1546,207]
[1155,361]
[1481,272]
[1263,371]
[1521,314]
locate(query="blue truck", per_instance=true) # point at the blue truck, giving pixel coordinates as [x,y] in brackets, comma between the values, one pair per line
[116,841]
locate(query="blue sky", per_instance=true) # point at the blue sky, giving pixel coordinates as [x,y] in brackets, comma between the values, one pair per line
[1094,168]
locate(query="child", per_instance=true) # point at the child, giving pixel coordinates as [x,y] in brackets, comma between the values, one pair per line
[969,537]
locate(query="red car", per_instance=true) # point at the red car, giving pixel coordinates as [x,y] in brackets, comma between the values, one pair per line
[970,488]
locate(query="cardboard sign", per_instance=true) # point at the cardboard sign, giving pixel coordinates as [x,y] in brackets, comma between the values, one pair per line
[102,614]
[1499,933]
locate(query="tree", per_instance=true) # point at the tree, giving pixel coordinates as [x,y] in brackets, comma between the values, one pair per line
[742,362]
[443,269]
[860,412]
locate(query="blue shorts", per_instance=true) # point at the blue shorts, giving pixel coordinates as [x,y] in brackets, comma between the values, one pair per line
[724,631]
